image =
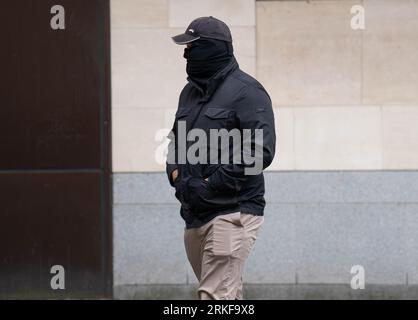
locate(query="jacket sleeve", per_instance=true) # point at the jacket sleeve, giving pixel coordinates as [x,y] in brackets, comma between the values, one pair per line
[253,111]
[171,164]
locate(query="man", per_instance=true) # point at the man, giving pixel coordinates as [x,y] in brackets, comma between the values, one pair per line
[221,203]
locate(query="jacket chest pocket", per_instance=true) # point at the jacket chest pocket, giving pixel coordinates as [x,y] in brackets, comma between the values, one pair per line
[219,118]
[181,118]
[182,114]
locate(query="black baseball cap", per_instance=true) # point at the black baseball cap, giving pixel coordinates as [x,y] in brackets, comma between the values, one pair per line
[204,27]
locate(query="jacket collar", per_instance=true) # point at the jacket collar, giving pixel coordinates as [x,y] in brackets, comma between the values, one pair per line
[215,80]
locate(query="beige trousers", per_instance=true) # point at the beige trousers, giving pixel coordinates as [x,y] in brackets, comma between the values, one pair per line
[217,252]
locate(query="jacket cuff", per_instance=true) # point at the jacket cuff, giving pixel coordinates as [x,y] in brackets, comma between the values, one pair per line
[169,169]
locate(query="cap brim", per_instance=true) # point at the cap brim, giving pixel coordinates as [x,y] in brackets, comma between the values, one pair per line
[184,38]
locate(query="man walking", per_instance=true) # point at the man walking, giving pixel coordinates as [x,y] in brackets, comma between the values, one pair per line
[222,202]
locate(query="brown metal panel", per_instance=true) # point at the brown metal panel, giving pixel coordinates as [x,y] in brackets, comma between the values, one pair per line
[55,167]
[51,219]
[50,115]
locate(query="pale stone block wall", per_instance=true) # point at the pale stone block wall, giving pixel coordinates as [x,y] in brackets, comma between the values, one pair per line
[400,137]
[233,12]
[352,94]
[338,138]
[390,66]
[307,53]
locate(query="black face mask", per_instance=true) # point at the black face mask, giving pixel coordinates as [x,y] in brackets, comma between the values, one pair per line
[206,57]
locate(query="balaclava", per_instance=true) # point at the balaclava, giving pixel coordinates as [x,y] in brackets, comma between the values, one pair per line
[206,57]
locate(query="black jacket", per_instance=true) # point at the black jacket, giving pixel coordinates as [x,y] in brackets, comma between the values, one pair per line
[232,99]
